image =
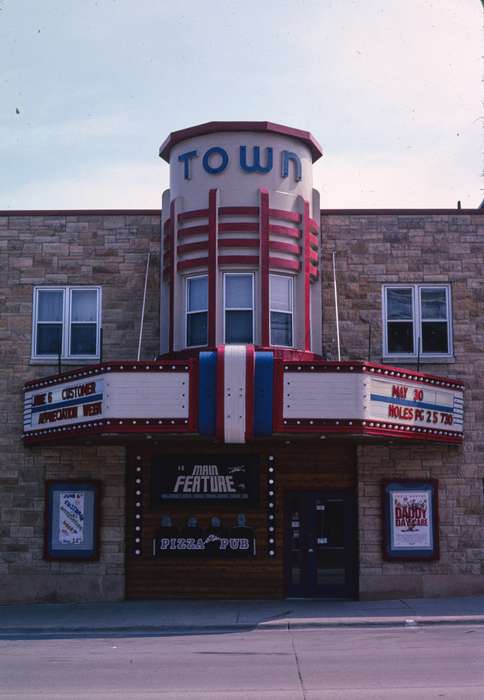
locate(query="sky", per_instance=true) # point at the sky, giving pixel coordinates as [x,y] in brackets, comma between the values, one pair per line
[391,89]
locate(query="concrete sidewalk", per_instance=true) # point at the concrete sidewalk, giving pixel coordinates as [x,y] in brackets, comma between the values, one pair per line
[191,616]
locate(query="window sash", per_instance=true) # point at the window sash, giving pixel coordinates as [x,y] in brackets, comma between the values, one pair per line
[275,309]
[237,309]
[68,326]
[193,313]
[421,333]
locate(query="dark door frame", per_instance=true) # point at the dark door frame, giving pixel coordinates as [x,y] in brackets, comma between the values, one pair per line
[350,589]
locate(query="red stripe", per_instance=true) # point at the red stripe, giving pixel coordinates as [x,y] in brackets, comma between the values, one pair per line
[249,392]
[166,240]
[239,211]
[220,411]
[238,243]
[192,231]
[238,259]
[285,215]
[172,276]
[190,247]
[189,264]
[212,265]
[194,214]
[314,241]
[307,281]
[284,264]
[278,396]
[321,426]
[288,231]
[264,265]
[166,226]
[313,225]
[285,247]
[251,226]
[313,256]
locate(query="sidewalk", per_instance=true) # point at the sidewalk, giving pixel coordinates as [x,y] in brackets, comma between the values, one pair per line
[192,616]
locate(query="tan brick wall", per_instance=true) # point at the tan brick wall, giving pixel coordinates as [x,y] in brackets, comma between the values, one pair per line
[105,250]
[372,250]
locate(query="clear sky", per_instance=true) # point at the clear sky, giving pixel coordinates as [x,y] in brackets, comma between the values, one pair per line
[90,88]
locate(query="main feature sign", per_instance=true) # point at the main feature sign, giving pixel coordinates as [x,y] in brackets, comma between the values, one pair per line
[213,478]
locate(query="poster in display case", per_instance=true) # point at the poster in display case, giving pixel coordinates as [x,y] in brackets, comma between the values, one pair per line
[410,520]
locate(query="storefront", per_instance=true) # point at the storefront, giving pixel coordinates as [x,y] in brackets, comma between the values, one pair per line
[247,460]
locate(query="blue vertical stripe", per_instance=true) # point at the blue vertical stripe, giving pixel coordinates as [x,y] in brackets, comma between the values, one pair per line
[263,381]
[207,393]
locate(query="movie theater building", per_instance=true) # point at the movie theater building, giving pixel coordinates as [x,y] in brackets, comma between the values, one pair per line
[241,395]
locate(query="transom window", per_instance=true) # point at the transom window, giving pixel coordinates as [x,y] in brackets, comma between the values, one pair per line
[197,310]
[281,307]
[239,307]
[66,322]
[417,320]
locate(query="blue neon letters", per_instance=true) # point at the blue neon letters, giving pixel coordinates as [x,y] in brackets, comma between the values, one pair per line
[216,160]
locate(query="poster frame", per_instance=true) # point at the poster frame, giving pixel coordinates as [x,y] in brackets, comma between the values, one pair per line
[390,553]
[93,513]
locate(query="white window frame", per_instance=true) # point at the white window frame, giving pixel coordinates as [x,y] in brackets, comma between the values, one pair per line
[66,323]
[278,311]
[187,312]
[225,309]
[416,321]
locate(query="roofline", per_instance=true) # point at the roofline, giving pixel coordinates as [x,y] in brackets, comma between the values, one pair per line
[80,212]
[403,212]
[217,127]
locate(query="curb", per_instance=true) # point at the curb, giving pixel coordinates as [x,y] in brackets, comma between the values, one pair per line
[245,627]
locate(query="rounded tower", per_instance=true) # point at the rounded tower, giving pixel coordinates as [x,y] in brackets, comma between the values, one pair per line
[240,238]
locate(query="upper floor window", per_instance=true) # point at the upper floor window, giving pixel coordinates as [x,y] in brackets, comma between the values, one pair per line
[417,320]
[197,310]
[239,307]
[66,322]
[281,305]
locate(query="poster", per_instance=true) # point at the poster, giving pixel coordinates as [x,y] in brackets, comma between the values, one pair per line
[71,517]
[411,517]
[410,520]
[72,520]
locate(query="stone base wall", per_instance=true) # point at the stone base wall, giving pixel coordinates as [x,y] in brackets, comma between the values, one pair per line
[373,249]
[66,249]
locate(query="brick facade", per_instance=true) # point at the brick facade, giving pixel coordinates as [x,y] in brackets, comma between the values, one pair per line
[110,250]
[372,250]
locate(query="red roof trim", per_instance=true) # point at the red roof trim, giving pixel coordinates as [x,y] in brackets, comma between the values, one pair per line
[216,127]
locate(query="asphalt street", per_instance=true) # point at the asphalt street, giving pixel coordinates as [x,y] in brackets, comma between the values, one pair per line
[413,662]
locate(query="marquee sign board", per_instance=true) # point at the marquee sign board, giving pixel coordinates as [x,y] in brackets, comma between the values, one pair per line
[213,478]
[117,398]
[371,399]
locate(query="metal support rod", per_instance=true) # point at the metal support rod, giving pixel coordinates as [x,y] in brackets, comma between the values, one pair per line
[59,355]
[369,341]
[336,308]
[100,345]
[418,354]
[143,307]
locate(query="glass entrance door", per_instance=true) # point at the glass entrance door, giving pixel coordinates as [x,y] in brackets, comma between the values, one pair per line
[319,540]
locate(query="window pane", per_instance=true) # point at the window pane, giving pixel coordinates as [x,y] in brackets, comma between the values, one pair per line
[84,305]
[399,304]
[433,303]
[281,328]
[49,338]
[400,337]
[238,291]
[50,305]
[197,329]
[281,293]
[197,293]
[83,339]
[238,326]
[434,337]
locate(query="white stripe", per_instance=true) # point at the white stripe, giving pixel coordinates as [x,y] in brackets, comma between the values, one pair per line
[234,393]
